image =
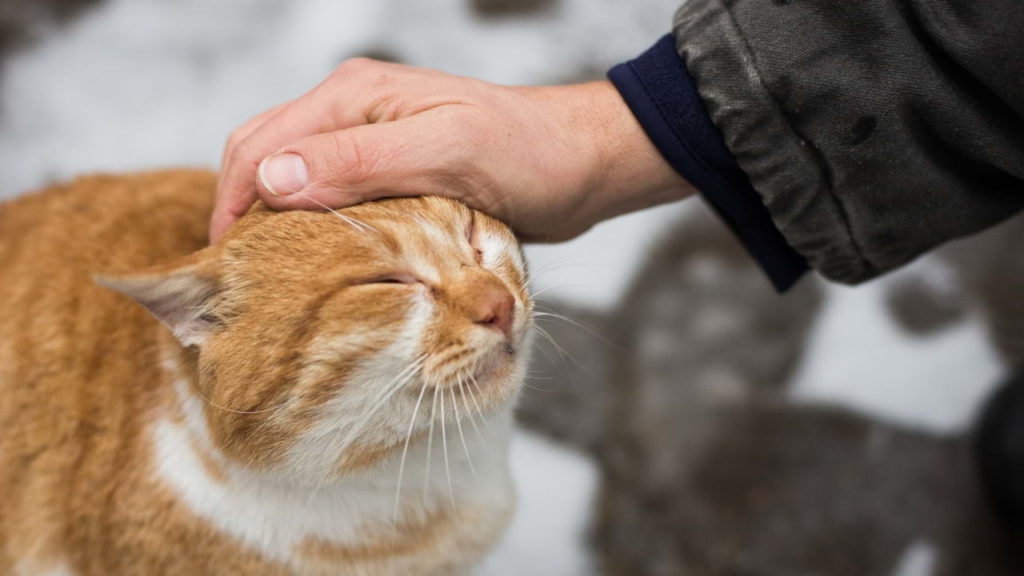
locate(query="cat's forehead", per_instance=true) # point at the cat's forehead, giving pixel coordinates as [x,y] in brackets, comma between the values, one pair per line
[431,232]
[410,226]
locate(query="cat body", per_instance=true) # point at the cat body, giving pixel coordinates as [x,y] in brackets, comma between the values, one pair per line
[300,407]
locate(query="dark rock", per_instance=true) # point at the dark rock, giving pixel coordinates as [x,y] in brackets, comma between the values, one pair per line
[381,53]
[22,20]
[504,8]
[923,309]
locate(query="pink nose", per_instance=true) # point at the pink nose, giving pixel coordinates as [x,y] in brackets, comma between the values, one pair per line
[494,307]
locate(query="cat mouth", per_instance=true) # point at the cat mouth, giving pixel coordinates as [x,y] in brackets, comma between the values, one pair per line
[491,365]
[498,365]
[485,370]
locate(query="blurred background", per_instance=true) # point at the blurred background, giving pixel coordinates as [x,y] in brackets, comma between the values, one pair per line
[683,418]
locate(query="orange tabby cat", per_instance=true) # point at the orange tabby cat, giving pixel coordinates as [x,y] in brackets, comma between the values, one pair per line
[326,394]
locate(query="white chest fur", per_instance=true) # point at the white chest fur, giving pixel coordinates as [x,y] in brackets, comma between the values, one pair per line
[275,517]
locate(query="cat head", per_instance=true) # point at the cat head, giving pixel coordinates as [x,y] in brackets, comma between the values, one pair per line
[315,343]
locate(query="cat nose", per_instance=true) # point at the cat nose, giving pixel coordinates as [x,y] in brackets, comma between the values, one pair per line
[494,307]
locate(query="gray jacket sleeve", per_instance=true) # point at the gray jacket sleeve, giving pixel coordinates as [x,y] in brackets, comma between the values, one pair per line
[873,130]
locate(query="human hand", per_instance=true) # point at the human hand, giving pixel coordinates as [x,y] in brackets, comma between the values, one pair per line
[549,161]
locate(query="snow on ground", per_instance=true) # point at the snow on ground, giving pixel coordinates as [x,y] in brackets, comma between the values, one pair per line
[148,83]
[919,559]
[859,358]
[145,83]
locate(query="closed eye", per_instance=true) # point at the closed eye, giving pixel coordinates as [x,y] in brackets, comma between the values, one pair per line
[395,278]
[478,254]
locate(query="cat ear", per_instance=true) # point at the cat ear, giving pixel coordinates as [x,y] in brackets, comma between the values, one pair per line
[177,296]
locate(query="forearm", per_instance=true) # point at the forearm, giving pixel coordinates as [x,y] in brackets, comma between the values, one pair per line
[549,161]
[664,98]
[618,164]
[872,130]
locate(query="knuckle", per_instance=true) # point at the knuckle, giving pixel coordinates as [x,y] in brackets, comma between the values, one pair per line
[354,67]
[242,152]
[234,139]
[369,74]
[350,161]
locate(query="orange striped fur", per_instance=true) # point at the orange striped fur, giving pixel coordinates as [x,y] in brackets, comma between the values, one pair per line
[257,418]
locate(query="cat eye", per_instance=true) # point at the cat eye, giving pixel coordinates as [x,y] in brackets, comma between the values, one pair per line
[478,254]
[397,278]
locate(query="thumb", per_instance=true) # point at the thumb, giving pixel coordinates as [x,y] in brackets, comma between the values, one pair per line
[338,169]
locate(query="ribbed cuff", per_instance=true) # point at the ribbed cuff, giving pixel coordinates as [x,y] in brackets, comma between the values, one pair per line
[662,95]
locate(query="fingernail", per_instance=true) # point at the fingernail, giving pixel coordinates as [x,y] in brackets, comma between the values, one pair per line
[283,174]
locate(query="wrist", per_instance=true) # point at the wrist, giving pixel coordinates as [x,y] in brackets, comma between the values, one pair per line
[635,174]
[623,170]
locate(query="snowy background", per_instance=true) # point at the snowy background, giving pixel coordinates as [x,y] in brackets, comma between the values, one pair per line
[133,84]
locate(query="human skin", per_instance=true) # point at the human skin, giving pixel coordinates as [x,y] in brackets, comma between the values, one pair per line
[549,161]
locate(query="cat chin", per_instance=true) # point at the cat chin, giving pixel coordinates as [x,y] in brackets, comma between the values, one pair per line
[498,367]
[500,379]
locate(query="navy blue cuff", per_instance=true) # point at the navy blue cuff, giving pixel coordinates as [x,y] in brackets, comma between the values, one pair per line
[662,95]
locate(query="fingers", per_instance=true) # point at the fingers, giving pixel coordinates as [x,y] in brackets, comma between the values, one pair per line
[229,209]
[349,97]
[236,190]
[246,130]
[412,156]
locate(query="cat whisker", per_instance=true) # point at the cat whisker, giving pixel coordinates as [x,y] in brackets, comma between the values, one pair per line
[357,224]
[547,336]
[537,389]
[328,456]
[487,425]
[544,351]
[458,424]
[444,446]
[450,355]
[561,351]
[213,404]
[471,381]
[558,287]
[430,442]
[405,450]
[541,313]
[552,266]
[464,390]
[386,393]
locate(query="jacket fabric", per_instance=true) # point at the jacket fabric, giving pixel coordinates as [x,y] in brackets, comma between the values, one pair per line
[855,135]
